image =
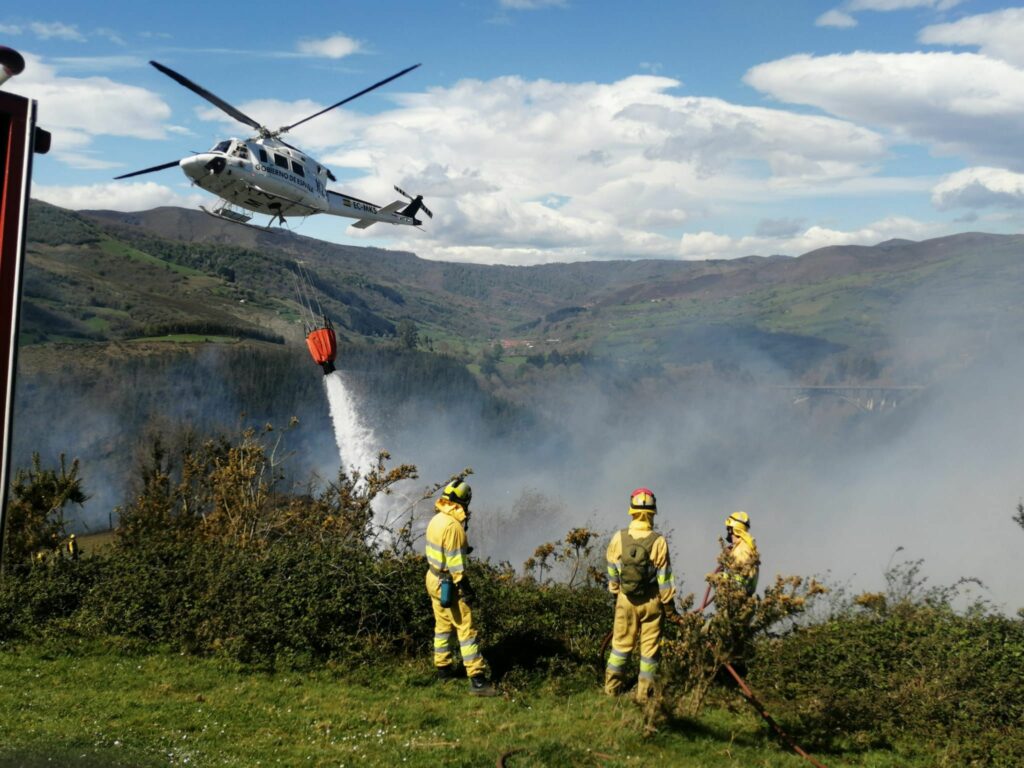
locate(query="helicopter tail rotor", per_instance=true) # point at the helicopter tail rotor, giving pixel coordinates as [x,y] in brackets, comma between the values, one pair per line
[415,206]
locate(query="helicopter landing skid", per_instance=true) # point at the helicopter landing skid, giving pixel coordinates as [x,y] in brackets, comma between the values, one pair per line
[227,213]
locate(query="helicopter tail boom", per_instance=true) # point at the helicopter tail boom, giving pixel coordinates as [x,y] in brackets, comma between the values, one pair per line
[368,214]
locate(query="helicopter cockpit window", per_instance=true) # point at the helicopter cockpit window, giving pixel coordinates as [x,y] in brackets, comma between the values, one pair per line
[241,151]
[280,161]
[263,155]
[222,146]
[299,170]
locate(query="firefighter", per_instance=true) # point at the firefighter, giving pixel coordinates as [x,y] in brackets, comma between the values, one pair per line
[450,591]
[640,576]
[743,564]
[71,547]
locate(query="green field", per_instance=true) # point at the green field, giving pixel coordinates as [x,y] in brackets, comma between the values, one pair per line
[101,709]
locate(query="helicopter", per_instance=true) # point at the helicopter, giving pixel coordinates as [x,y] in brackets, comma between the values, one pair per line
[265,174]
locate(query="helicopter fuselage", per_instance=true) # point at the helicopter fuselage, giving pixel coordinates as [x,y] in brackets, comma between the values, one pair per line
[266,176]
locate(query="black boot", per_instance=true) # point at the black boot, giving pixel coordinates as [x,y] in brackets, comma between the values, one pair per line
[481,686]
[447,672]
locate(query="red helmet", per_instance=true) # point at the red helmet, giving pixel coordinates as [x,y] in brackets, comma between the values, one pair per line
[643,498]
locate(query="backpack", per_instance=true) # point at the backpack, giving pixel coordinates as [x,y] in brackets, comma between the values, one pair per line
[637,576]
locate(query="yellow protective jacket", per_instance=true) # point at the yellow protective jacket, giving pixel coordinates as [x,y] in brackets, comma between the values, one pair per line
[744,559]
[640,528]
[446,543]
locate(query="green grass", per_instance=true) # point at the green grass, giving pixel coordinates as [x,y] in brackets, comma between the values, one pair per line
[101,709]
[98,324]
[93,542]
[115,248]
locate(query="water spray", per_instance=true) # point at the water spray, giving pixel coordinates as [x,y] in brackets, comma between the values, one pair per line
[356,442]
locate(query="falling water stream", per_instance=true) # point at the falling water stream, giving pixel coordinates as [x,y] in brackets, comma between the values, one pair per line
[358,450]
[355,440]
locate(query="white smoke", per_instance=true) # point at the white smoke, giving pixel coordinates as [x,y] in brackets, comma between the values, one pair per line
[356,442]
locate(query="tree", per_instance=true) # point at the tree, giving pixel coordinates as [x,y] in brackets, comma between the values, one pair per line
[578,549]
[1019,517]
[408,336]
[489,359]
[36,509]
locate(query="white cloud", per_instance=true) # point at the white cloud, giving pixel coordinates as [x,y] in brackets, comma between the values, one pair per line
[73,149]
[980,187]
[531,5]
[835,18]
[629,163]
[98,63]
[842,17]
[90,106]
[334,47]
[998,34]
[958,103]
[114,196]
[518,141]
[56,30]
[709,245]
[712,134]
[900,5]
[111,35]
[10,29]
[779,227]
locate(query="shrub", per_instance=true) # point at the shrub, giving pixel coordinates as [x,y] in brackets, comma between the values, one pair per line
[37,601]
[904,664]
[35,513]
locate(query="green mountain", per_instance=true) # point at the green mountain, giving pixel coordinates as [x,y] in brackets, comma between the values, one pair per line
[898,311]
[166,321]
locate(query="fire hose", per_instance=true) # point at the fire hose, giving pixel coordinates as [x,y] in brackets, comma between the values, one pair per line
[744,688]
[759,707]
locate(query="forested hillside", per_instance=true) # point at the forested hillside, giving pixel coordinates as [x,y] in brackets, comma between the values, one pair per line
[135,321]
[874,310]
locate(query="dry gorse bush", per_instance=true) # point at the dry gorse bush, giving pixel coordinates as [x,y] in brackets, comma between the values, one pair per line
[695,653]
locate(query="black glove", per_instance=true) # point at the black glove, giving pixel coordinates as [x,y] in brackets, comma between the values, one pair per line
[466,593]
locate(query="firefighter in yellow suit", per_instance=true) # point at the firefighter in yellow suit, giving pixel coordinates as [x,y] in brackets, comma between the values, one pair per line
[744,561]
[447,552]
[640,576]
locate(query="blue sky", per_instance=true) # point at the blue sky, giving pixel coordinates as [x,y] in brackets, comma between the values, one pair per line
[551,131]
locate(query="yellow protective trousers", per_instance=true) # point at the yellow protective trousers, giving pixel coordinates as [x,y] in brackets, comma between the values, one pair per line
[634,621]
[458,618]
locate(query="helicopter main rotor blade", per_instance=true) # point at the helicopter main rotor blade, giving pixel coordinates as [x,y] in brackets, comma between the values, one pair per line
[210,97]
[385,81]
[148,170]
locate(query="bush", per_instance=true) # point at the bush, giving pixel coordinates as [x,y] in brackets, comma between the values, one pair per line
[37,601]
[212,558]
[537,627]
[882,671]
[296,603]
[35,510]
